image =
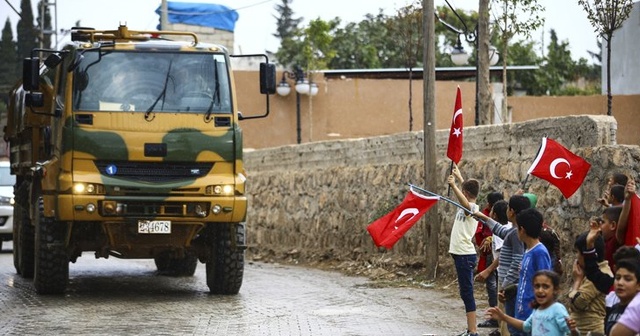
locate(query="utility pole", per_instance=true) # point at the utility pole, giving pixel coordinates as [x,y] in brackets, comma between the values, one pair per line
[432,220]
[164,16]
[485,104]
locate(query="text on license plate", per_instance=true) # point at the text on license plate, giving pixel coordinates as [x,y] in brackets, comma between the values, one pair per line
[154,226]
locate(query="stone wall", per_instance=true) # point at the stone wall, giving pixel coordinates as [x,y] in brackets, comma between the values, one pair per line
[318,198]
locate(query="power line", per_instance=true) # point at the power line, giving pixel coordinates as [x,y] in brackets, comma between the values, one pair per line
[10,5]
[217,12]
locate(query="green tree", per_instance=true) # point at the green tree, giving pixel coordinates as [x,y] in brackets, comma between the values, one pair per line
[597,55]
[362,45]
[515,17]
[374,43]
[408,27]
[606,16]
[27,35]
[453,23]
[317,49]
[352,52]
[559,66]
[8,58]
[523,53]
[287,31]
[559,74]
[317,52]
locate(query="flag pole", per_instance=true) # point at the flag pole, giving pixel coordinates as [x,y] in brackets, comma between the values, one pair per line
[450,172]
[443,198]
[524,183]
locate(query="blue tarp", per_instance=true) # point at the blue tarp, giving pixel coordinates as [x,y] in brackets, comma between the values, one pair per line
[201,14]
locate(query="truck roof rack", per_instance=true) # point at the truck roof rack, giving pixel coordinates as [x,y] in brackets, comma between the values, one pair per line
[123,33]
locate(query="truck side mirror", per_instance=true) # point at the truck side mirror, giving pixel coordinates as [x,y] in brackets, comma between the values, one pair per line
[52,61]
[267,78]
[31,73]
[34,99]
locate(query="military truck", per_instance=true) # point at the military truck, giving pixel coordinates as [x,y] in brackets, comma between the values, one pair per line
[127,144]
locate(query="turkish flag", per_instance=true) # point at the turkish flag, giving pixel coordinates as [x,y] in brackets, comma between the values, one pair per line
[454,149]
[560,167]
[633,222]
[388,229]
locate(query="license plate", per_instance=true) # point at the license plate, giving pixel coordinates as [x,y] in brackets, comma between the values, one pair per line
[154,226]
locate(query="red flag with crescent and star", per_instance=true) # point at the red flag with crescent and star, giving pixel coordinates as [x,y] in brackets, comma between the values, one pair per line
[388,229]
[454,149]
[559,166]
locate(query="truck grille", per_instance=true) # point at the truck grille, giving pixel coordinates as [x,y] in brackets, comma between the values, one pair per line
[154,171]
[158,209]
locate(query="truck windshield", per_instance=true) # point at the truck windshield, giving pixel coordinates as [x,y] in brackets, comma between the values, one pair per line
[135,81]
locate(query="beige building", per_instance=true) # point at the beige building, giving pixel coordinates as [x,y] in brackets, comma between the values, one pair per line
[348,108]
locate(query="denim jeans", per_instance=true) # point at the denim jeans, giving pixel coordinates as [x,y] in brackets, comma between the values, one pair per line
[510,309]
[492,285]
[465,266]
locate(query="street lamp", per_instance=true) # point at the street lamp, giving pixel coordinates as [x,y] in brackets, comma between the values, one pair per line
[302,85]
[460,57]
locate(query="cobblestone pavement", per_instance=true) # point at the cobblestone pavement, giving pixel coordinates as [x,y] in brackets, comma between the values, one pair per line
[126,297]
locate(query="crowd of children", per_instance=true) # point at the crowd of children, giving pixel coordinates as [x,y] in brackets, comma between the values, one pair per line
[510,248]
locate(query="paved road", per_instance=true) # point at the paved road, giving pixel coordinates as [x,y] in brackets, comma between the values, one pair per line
[126,297]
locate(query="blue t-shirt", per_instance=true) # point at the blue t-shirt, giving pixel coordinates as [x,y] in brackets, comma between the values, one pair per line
[533,260]
[548,322]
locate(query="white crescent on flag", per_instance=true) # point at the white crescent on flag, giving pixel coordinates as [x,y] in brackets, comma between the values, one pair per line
[408,211]
[554,164]
[455,115]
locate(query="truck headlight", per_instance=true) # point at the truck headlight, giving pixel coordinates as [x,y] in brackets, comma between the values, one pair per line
[88,188]
[219,190]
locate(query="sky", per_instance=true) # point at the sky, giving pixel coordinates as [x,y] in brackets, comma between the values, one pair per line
[256,24]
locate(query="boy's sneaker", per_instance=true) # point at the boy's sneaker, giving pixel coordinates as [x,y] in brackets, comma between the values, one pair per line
[467,333]
[488,324]
[495,333]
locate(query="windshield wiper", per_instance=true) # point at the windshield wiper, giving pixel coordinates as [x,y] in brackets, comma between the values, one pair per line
[216,91]
[162,95]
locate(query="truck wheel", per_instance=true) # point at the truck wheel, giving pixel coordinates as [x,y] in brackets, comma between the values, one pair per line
[176,267]
[226,265]
[51,263]
[26,245]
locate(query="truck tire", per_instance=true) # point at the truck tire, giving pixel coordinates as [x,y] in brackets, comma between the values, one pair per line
[26,245]
[51,272]
[226,265]
[176,267]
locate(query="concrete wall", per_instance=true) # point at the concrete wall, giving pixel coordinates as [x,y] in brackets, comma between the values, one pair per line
[356,108]
[318,198]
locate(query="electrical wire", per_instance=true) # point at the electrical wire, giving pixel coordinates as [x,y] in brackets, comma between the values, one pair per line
[216,12]
[14,9]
